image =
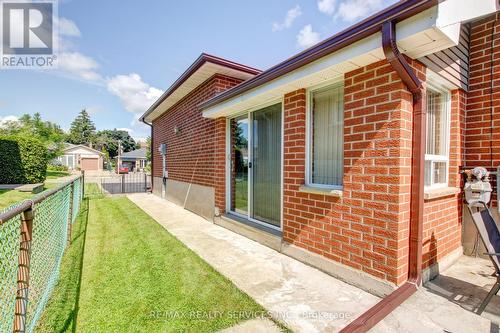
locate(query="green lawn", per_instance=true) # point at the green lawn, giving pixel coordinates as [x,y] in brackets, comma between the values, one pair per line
[92,190]
[52,174]
[10,197]
[241,193]
[136,277]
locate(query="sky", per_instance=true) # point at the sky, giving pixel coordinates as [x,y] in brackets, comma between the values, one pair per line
[117,57]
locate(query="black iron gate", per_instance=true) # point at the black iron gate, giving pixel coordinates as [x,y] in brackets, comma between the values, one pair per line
[126,183]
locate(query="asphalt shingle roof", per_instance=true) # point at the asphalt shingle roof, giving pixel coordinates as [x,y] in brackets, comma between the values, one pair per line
[138,153]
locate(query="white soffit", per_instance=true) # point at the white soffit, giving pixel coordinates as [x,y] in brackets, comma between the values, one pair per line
[206,71]
[417,36]
[454,12]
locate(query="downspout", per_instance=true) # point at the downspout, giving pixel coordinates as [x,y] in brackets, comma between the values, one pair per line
[151,148]
[380,310]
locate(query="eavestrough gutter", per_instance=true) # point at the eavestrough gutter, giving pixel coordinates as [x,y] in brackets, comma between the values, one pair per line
[380,310]
[151,149]
[373,24]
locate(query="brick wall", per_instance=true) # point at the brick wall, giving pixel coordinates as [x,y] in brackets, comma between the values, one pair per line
[443,216]
[367,228]
[483,130]
[475,141]
[220,164]
[194,154]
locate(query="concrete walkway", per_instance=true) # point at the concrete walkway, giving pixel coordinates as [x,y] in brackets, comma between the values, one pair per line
[259,325]
[303,298]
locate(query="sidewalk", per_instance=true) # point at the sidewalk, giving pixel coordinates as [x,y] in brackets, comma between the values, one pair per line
[303,298]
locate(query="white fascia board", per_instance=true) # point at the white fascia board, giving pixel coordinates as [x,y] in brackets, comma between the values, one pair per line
[430,31]
[361,53]
[452,13]
[207,70]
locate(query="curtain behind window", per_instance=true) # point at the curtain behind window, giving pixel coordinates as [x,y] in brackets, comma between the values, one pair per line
[435,123]
[267,164]
[327,136]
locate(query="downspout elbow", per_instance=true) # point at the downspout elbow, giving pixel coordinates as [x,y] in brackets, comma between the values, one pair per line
[397,60]
[414,85]
[151,149]
[380,310]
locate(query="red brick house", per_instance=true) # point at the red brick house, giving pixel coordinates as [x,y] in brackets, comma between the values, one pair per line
[347,155]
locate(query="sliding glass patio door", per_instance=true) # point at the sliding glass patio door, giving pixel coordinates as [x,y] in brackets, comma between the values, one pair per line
[240,163]
[256,165]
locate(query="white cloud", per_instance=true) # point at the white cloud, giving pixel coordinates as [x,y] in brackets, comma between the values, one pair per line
[91,110]
[128,130]
[291,15]
[68,28]
[135,95]
[326,6]
[138,133]
[307,37]
[4,120]
[350,10]
[138,128]
[79,65]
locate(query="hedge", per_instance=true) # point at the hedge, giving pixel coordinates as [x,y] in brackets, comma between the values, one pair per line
[22,160]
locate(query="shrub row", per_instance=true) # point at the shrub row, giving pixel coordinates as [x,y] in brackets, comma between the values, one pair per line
[22,160]
[57,167]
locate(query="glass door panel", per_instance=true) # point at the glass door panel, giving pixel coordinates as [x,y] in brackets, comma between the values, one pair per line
[266,165]
[239,165]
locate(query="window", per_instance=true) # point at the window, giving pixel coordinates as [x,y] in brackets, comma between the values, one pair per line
[438,127]
[70,161]
[326,137]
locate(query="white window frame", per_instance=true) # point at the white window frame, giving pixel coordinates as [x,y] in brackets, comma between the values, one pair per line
[309,92]
[249,114]
[72,164]
[446,157]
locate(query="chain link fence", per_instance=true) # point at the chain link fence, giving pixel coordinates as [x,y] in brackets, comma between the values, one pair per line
[33,237]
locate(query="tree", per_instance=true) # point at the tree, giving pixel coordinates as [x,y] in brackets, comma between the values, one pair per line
[108,140]
[50,134]
[148,149]
[240,140]
[82,131]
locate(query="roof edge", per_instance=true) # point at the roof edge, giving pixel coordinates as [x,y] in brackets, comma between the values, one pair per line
[397,12]
[202,59]
[83,146]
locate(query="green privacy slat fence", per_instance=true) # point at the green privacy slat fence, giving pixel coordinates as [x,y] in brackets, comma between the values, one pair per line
[54,211]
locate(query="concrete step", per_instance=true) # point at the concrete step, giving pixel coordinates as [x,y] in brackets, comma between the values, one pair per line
[33,188]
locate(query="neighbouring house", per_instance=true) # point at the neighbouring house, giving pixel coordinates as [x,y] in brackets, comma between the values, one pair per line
[134,160]
[81,157]
[346,156]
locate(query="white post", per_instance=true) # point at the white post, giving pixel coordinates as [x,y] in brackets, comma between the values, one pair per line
[118,163]
[163,151]
[164,176]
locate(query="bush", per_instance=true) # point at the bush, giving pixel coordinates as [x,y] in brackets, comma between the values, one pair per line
[22,160]
[57,167]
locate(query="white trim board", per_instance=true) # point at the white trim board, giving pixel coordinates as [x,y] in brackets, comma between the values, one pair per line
[425,33]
